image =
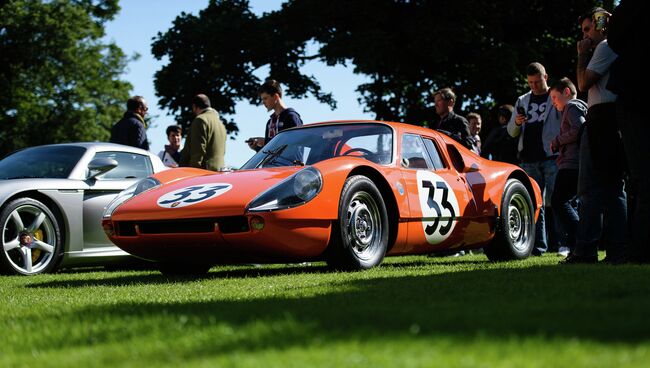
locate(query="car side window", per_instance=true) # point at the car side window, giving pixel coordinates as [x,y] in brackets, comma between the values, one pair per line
[414,154]
[434,154]
[129,165]
[456,158]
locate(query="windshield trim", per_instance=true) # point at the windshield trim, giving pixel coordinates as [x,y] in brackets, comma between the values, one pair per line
[393,131]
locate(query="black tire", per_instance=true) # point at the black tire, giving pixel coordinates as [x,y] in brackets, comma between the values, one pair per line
[515,235]
[360,235]
[46,253]
[176,269]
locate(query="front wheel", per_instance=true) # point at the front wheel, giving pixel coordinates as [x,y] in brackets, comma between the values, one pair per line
[40,251]
[360,235]
[515,236]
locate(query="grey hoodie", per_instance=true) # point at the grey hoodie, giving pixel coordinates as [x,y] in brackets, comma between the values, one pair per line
[573,116]
[549,131]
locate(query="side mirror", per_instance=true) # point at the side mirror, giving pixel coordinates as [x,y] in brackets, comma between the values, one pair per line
[405,162]
[100,166]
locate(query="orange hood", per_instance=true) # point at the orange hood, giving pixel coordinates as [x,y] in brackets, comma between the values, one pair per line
[215,195]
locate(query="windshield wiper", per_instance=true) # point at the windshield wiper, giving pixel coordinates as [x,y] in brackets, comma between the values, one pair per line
[271,154]
[277,153]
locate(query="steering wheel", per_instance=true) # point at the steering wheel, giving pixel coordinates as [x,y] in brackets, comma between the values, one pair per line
[358,149]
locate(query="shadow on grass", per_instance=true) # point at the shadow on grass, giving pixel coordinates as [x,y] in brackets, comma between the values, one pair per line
[158,278]
[231,272]
[594,303]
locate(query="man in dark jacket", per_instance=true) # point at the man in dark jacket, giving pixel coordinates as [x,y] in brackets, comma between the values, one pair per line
[455,125]
[499,145]
[131,129]
[283,117]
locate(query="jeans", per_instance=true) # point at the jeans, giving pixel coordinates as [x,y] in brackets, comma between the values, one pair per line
[543,172]
[603,209]
[564,194]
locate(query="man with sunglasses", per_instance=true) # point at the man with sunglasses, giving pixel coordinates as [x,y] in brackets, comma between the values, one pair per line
[601,188]
[131,130]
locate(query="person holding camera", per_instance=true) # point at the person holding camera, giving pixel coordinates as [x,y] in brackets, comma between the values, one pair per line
[537,123]
[601,188]
[574,111]
[283,117]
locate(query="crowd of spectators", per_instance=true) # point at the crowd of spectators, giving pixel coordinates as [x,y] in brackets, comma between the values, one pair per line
[576,151]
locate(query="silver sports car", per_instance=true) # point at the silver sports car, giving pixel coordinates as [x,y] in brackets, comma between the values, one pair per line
[51,203]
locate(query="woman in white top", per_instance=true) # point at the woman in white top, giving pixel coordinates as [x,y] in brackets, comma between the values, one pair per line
[171,154]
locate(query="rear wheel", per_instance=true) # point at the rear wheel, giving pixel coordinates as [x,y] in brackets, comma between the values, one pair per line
[184,269]
[45,251]
[360,235]
[515,235]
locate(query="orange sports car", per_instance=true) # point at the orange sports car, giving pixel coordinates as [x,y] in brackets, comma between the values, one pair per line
[347,192]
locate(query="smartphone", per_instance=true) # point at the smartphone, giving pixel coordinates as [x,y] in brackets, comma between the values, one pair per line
[521,110]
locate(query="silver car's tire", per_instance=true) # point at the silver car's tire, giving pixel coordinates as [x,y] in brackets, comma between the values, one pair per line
[360,235]
[44,253]
[515,235]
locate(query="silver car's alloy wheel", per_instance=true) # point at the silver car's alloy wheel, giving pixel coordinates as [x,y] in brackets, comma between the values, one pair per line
[35,257]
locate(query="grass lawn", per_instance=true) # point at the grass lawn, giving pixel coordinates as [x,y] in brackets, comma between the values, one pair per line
[410,312]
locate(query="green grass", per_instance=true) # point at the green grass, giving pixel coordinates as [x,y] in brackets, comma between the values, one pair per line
[410,312]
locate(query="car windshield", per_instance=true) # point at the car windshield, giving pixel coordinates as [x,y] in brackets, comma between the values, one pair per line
[309,145]
[41,162]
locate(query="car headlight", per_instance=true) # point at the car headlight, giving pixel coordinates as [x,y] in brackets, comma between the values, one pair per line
[130,192]
[294,191]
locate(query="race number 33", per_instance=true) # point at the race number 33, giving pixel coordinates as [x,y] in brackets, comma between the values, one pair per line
[191,195]
[439,206]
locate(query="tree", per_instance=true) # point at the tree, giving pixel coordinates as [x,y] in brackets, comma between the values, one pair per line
[216,53]
[407,48]
[59,80]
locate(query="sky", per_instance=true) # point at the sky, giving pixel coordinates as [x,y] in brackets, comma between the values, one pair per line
[140,20]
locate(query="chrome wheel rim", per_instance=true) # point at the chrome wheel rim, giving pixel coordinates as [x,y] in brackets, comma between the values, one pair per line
[519,222]
[33,258]
[363,223]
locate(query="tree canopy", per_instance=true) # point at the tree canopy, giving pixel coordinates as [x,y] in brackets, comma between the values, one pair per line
[59,80]
[407,48]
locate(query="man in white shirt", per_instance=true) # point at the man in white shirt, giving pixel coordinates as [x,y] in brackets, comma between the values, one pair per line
[601,189]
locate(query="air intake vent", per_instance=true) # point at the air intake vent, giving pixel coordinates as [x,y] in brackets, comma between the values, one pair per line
[227,225]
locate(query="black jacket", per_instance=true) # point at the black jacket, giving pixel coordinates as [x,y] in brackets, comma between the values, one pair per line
[457,127]
[501,146]
[288,118]
[130,131]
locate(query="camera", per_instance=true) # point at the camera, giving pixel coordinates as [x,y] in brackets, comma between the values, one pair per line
[521,110]
[600,19]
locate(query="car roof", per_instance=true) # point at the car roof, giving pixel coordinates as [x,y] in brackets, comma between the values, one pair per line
[98,146]
[393,124]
